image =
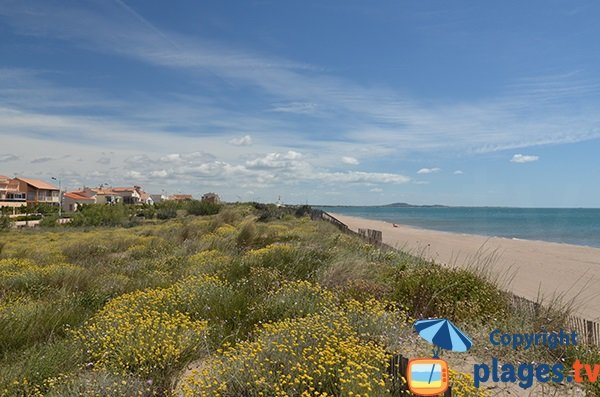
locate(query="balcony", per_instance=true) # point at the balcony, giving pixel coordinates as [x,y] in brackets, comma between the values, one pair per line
[12,197]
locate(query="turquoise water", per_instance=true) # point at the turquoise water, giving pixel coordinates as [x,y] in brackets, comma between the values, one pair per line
[580,226]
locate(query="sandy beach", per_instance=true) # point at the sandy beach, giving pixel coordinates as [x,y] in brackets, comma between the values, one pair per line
[536,267]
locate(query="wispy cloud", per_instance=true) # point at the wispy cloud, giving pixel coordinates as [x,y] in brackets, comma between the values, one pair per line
[458,172]
[245,140]
[522,158]
[295,107]
[528,113]
[429,170]
[8,157]
[350,160]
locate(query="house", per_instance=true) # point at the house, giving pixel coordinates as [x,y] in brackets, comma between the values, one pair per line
[211,198]
[157,198]
[71,201]
[10,196]
[101,194]
[129,195]
[145,198]
[113,195]
[180,197]
[38,191]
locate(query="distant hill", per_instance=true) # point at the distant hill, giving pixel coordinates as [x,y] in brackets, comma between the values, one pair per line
[406,205]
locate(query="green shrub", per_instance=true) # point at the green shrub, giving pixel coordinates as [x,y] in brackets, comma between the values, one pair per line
[196,207]
[25,322]
[102,215]
[5,222]
[49,221]
[22,275]
[436,291]
[22,373]
[167,209]
[293,299]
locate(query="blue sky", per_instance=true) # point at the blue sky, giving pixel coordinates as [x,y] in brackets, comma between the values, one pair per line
[461,103]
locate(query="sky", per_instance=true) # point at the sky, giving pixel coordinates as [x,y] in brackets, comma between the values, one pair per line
[338,102]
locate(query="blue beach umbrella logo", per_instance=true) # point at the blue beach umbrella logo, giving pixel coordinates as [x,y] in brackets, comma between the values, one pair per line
[441,333]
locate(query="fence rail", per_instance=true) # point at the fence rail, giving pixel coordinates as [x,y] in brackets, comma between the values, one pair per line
[588,332]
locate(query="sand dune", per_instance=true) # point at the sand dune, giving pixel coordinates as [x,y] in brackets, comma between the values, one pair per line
[536,266]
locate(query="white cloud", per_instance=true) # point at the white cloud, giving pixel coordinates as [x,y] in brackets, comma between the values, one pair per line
[421,182]
[428,170]
[103,160]
[134,175]
[350,160]
[361,177]
[295,107]
[458,172]
[522,158]
[159,174]
[276,160]
[376,190]
[245,140]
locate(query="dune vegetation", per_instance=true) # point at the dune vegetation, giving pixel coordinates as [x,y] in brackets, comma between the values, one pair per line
[252,301]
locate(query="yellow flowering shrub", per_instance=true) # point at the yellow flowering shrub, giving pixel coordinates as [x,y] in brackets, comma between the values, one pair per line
[314,355]
[21,274]
[209,262]
[225,231]
[141,333]
[381,321]
[463,386]
[95,383]
[205,297]
[295,262]
[272,254]
[294,299]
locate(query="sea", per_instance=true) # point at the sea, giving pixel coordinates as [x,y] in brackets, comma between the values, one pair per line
[579,226]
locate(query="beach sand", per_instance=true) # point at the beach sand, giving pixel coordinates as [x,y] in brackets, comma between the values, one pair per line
[537,268]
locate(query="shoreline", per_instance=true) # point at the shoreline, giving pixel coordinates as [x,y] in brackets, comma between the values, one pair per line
[535,268]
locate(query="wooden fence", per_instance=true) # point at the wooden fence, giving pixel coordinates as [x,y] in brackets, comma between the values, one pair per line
[588,332]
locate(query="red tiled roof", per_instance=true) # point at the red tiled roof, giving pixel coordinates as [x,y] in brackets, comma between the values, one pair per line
[181,197]
[38,184]
[78,196]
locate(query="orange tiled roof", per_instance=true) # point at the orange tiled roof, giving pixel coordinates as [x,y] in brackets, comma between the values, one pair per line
[78,196]
[38,184]
[123,189]
[181,197]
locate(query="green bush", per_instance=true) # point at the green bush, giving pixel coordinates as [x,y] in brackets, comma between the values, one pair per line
[167,209]
[436,291]
[31,217]
[23,373]
[49,221]
[5,222]
[196,207]
[102,215]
